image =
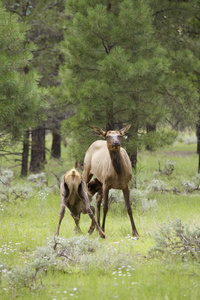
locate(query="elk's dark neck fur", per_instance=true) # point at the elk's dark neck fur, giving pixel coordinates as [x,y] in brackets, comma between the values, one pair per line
[117,162]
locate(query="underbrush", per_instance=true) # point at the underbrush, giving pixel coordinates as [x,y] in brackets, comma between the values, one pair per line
[162,264]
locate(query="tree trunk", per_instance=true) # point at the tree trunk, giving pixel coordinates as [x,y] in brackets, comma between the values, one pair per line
[198,136]
[133,137]
[198,140]
[56,146]
[198,143]
[133,159]
[150,128]
[25,154]
[38,150]
[109,115]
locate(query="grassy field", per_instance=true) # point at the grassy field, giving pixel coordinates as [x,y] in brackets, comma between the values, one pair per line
[119,267]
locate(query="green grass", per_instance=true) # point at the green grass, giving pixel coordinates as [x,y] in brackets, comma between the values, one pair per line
[122,267]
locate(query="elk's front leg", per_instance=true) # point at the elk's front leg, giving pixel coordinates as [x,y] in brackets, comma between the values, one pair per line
[98,202]
[126,193]
[105,206]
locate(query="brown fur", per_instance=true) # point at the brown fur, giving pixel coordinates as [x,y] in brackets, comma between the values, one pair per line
[110,164]
[75,196]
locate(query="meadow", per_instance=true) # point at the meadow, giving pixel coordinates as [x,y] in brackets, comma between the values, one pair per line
[164,263]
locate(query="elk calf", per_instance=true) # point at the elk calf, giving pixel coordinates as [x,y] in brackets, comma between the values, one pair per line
[75,196]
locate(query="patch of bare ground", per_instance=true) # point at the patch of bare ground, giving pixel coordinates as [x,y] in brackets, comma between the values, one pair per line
[178,153]
[171,153]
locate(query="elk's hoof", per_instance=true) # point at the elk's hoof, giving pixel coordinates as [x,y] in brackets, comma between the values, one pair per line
[102,234]
[136,235]
[90,231]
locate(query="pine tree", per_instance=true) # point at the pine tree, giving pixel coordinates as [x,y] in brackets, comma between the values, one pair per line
[20,98]
[115,70]
[45,19]
[173,23]
[177,26]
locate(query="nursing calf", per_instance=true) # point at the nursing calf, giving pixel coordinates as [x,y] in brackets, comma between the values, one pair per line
[76,197]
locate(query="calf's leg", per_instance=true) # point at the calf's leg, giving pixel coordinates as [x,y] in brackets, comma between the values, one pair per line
[91,215]
[92,227]
[77,228]
[61,216]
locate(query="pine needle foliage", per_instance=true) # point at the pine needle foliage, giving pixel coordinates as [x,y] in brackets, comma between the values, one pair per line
[114,68]
[177,28]
[20,99]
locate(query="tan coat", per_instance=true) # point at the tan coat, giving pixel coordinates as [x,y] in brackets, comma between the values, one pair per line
[110,164]
[75,196]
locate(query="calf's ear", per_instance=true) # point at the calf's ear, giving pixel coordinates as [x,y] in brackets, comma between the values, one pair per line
[82,190]
[65,189]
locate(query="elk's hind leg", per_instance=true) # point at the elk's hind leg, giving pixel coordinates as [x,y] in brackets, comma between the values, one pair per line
[77,228]
[61,216]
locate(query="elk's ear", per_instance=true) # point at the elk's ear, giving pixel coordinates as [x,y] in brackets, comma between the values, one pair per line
[124,130]
[99,131]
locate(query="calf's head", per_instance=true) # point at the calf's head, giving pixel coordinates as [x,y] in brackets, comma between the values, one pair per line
[113,137]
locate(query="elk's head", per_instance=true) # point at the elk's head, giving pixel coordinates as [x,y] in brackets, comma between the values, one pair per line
[113,137]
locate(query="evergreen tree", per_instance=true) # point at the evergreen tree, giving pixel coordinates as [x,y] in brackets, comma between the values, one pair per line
[115,70]
[46,31]
[177,26]
[173,23]
[20,98]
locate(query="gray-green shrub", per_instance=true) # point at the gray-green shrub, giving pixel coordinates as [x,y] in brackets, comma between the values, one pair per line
[175,239]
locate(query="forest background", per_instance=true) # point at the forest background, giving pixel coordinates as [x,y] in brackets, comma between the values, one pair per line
[67,66]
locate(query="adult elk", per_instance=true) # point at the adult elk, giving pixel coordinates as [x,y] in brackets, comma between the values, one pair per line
[75,196]
[110,164]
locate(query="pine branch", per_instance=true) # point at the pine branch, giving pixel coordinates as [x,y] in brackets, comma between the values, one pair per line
[53,5]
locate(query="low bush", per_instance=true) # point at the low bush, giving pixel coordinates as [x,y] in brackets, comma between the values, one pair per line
[175,239]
